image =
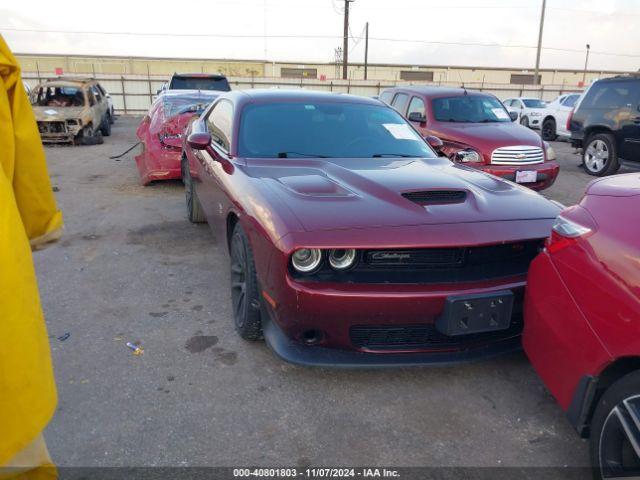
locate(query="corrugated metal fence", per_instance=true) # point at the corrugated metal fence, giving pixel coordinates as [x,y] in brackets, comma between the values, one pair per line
[133,94]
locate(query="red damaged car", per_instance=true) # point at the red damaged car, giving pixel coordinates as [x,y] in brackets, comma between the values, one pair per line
[477,130]
[582,321]
[160,132]
[351,242]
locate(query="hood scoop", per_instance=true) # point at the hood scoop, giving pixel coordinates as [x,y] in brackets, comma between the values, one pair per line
[436,197]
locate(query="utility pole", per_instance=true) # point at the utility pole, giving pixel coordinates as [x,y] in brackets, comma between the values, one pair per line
[536,76]
[345,40]
[586,62]
[366,49]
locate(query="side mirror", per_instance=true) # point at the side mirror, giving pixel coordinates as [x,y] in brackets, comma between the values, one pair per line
[435,143]
[199,141]
[417,117]
[513,116]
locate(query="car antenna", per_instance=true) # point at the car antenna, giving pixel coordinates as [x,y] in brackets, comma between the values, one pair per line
[463,87]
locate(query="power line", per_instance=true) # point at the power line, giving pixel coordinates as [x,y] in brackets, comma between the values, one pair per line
[329,37]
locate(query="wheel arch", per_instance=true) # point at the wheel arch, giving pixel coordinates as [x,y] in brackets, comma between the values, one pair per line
[594,130]
[549,117]
[591,389]
[232,220]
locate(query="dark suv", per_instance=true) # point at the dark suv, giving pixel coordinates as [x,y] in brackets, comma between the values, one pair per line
[605,124]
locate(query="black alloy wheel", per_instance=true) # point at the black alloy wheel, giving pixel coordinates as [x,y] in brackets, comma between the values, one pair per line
[615,433]
[244,287]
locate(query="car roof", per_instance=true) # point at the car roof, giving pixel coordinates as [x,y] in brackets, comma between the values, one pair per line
[190,93]
[199,75]
[434,91]
[275,95]
[617,78]
[64,83]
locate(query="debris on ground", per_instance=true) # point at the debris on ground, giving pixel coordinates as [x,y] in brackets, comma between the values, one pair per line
[137,349]
[64,337]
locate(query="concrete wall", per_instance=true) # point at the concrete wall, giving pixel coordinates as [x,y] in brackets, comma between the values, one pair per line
[47,64]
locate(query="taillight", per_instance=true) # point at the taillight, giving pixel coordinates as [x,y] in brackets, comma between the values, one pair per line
[564,233]
[569,118]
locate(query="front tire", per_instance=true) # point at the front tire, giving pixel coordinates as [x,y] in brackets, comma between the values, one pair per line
[89,136]
[105,128]
[549,130]
[245,298]
[194,209]
[614,444]
[524,121]
[600,157]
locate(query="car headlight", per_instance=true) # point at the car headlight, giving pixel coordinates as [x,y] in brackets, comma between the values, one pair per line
[306,260]
[468,156]
[342,259]
[551,153]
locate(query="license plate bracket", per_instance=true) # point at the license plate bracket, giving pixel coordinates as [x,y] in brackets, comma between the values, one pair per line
[479,313]
[526,176]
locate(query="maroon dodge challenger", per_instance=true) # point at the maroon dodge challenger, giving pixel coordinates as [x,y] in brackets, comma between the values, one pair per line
[351,242]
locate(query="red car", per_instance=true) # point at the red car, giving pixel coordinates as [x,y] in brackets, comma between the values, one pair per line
[160,133]
[352,243]
[582,320]
[477,130]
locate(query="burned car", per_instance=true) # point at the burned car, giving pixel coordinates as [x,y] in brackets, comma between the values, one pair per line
[71,111]
[160,132]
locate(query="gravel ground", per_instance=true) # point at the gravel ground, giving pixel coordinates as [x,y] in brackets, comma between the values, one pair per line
[130,267]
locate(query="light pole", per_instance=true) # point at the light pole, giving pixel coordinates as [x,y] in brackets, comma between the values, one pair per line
[536,76]
[345,39]
[586,62]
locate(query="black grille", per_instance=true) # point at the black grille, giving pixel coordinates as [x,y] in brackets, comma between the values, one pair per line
[424,257]
[433,265]
[423,337]
[436,197]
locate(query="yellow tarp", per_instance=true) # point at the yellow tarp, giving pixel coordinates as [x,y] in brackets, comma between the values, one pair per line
[28,215]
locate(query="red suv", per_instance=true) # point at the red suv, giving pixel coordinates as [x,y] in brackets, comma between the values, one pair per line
[582,320]
[476,129]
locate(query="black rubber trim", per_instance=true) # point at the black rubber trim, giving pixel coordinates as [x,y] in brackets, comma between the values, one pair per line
[579,412]
[315,356]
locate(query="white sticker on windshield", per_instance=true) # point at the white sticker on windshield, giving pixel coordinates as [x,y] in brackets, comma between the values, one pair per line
[51,112]
[500,113]
[401,131]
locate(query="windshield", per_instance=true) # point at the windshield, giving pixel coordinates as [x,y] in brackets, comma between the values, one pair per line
[327,129]
[58,97]
[200,83]
[533,103]
[184,104]
[469,109]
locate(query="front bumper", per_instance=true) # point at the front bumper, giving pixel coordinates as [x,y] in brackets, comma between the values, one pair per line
[335,311]
[534,122]
[318,356]
[547,173]
[57,131]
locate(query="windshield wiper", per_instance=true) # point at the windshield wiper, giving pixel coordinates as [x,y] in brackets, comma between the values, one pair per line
[453,120]
[402,155]
[311,155]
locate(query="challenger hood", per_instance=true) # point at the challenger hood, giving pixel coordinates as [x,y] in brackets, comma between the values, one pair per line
[368,192]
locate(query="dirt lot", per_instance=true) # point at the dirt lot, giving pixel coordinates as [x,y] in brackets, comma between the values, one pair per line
[132,268]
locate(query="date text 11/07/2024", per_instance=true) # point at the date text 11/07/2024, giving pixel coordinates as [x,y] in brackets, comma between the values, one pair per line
[315,472]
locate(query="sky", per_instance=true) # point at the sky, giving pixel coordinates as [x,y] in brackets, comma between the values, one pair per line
[496,33]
